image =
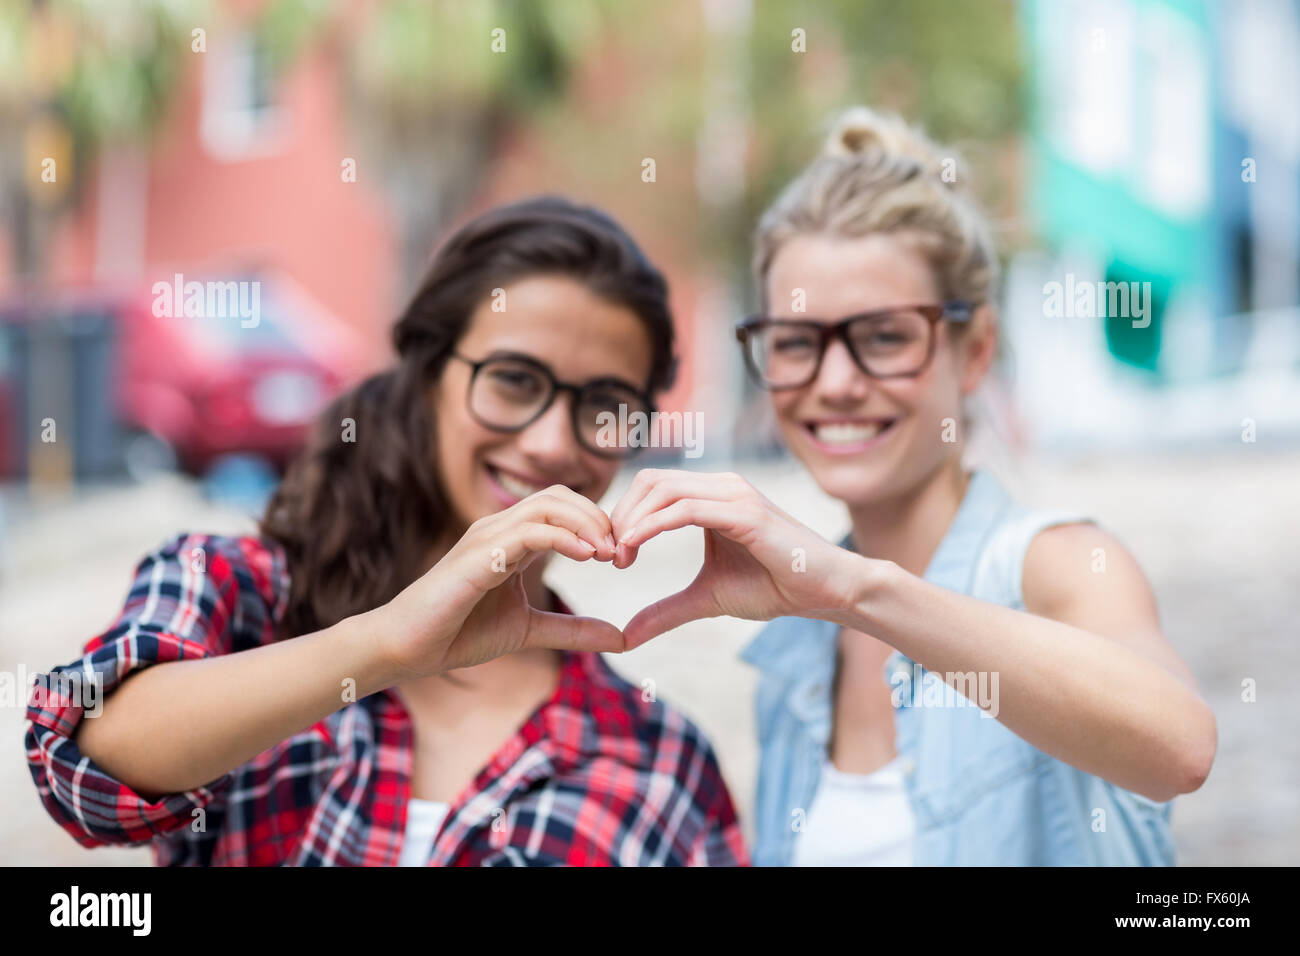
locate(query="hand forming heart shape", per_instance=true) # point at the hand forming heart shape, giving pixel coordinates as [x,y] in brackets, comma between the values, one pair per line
[756,557]
[466,610]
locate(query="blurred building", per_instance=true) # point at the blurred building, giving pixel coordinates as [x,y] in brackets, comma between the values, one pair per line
[242,174]
[1165,163]
[240,182]
[267,173]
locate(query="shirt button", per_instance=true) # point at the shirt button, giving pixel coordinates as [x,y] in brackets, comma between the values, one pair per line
[909,766]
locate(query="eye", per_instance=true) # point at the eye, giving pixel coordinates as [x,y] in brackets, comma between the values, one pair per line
[514,381]
[792,341]
[604,398]
[610,399]
[888,332]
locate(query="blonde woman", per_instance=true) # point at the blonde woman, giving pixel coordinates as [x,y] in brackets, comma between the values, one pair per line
[953,683]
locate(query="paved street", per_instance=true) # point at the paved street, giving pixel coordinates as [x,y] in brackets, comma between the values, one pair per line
[1216,530]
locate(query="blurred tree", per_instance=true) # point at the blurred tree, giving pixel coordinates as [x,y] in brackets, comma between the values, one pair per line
[77,76]
[955,68]
[694,83]
[433,86]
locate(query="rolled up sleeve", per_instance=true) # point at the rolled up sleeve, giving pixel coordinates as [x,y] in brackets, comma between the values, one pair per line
[197,596]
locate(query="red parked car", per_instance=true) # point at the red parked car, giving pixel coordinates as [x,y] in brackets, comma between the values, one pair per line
[151,388]
[194,388]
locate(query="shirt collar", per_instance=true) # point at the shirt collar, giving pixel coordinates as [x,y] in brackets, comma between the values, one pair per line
[793,647]
[586,716]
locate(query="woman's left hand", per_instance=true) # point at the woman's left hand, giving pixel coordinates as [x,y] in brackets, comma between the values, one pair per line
[759,563]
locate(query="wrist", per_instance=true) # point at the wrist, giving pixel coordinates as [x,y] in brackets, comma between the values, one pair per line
[362,641]
[863,582]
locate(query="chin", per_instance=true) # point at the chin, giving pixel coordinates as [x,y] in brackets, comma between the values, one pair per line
[853,478]
[853,487]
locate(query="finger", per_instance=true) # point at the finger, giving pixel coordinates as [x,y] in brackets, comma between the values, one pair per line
[512,552]
[539,538]
[605,530]
[565,508]
[728,518]
[642,482]
[527,561]
[645,484]
[624,556]
[581,501]
[675,487]
[565,632]
[691,604]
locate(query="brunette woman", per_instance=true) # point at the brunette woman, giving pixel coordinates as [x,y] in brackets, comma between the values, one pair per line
[289,698]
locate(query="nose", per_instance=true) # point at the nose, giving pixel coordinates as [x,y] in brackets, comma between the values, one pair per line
[840,380]
[549,442]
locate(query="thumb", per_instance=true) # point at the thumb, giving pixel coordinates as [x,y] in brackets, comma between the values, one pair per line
[690,604]
[567,632]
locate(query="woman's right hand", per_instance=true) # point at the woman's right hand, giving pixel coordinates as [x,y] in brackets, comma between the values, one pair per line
[471,606]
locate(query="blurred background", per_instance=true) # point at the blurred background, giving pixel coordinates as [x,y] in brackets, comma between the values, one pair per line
[316,152]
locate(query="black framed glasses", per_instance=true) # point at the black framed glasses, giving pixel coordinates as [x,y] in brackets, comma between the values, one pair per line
[897,342]
[508,392]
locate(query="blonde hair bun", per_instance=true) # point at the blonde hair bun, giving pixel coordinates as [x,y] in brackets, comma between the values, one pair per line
[878,174]
[861,131]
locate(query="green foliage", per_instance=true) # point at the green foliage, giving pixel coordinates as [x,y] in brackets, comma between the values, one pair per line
[954,67]
[424,79]
[127,61]
[418,55]
[285,28]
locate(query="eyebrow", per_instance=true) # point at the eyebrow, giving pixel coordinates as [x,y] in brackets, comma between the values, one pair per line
[826,320]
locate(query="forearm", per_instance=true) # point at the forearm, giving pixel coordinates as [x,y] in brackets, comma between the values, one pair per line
[1086,699]
[176,726]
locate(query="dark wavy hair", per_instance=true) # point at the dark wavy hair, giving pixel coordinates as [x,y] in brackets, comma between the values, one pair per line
[356,518]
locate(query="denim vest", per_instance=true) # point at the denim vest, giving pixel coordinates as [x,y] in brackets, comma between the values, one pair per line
[980,794]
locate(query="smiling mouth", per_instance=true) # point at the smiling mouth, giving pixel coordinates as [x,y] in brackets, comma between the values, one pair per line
[514,485]
[848,436]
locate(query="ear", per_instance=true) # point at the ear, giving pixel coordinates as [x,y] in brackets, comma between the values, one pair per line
[978,347]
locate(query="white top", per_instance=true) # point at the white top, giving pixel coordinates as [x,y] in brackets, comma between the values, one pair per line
[423,818]
[858,820]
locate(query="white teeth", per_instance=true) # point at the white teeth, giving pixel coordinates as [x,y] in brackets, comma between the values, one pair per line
[520,489]
[846,433]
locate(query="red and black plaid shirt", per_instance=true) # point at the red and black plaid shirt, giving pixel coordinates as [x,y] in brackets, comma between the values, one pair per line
[597,775]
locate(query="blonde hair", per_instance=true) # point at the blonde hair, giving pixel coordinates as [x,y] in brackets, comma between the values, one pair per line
[877,174]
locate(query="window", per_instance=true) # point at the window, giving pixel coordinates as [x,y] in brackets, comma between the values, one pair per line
[240,118]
